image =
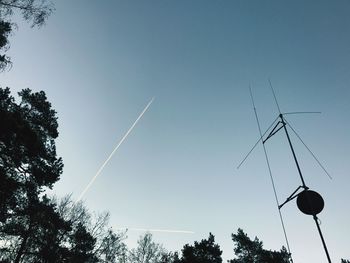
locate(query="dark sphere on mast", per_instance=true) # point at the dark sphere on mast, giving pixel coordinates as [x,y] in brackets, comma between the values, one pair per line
[310,202]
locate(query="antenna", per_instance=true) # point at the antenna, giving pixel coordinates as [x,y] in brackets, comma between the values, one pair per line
[261,138]
[309,202]
[270,172]
[274,95]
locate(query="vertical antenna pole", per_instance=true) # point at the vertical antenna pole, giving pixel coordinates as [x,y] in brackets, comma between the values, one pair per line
[293,152]
[274,95]
[271,177]
[299,170]
[323,242]
[305,187]
[286,131]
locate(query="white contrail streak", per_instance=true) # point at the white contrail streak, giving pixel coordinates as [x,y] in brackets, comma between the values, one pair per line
[116,148]
[160,230]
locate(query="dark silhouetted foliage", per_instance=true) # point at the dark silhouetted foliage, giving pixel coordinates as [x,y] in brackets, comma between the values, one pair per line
[147,251]
[33,227]
[205,251]
[5,30]
[345,261]
[27,151]
[108,246]
[83,245]
[34,11]
[251,251]
[29,165]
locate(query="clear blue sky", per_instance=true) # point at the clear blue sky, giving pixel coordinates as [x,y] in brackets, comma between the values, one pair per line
[100,63]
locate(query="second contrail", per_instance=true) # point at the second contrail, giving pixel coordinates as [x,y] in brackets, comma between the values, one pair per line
[116,148]
[159,230]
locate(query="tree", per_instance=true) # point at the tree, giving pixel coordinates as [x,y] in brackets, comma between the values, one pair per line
[251,251]
[5,30]
[27,150]
[104,244]
[28,166]
[205,251]
[35,12]
[83,244]
[34,227]
[147,251]
[345,261]
[170,258]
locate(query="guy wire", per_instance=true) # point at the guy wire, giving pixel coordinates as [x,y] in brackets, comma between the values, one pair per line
[313,155]
[271,177]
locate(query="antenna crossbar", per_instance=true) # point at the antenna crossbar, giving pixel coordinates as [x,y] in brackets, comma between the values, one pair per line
[274,131]
[291,197]
[261,138]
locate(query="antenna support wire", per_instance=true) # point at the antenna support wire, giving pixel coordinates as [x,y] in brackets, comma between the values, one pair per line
[271,177]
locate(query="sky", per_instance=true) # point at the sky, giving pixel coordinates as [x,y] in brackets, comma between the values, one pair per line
[101,63]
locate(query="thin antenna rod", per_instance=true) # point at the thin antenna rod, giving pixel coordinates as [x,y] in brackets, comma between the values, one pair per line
[240,164]
[302,112]
[270,172]
[274,95]
[313,155]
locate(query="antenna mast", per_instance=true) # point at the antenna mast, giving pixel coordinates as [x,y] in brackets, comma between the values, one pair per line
[309,202]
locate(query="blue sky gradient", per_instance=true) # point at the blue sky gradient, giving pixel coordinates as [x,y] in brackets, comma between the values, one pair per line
[100,63]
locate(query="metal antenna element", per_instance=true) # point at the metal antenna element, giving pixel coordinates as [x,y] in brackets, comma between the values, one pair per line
[302,112]
[270,172]
[309,202]
[293,152]
[312,154]
[306,198]
[274,95]
[261,138]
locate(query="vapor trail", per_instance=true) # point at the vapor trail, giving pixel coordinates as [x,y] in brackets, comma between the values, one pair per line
[161,230]
[116,148]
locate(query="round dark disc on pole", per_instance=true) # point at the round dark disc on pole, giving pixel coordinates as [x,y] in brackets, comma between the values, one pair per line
[310,202]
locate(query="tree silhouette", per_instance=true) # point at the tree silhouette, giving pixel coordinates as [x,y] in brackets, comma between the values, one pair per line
[29,165]
[251,251]
[35,12]
[27,150]
[83,245]
[147,251]
[205,251]
[108,245]
[5,30]
[33,227]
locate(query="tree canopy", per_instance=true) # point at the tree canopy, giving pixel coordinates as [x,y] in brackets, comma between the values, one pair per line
[205,251]
[35,12]
[148,251]
[34,227]
[5,30]
[251,251]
